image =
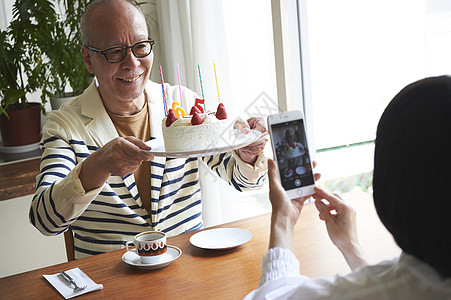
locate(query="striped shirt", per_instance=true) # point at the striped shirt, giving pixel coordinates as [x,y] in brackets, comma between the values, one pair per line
[105,218]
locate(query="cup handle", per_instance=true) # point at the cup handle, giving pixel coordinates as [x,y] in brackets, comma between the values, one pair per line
[127,244]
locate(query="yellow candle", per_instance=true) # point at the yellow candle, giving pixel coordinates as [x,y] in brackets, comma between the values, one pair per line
[217,87]
[178,110]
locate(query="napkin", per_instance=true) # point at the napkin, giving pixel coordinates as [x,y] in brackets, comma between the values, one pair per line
[66,289]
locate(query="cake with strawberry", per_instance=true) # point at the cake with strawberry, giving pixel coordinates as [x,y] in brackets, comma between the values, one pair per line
[197,131]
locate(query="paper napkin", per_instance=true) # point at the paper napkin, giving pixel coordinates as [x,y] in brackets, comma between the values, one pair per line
[66,289]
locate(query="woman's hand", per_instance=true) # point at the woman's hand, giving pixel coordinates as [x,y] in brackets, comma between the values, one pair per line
[341,225]
[285,211]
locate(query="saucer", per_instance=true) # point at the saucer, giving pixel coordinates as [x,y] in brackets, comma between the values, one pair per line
[132,258]
[288,172]
[300,170]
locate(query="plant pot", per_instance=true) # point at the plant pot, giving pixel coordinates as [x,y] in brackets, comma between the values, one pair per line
[23,126]
[57,100]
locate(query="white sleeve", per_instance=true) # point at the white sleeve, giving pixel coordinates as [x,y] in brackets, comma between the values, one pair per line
[279,262]
[281,279]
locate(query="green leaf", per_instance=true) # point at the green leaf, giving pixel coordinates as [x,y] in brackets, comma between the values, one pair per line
[11,96]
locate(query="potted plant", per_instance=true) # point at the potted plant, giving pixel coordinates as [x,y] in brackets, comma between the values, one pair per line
[24,70]
[67,70]
[39,51]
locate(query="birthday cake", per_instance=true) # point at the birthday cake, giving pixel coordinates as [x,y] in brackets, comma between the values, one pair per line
[197,131]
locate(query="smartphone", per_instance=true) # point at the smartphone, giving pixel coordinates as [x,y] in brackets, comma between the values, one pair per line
[292,153]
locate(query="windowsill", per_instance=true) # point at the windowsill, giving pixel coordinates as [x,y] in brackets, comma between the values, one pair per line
[18,178]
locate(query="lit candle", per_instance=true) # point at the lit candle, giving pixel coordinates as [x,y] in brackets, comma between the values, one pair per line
[217,87]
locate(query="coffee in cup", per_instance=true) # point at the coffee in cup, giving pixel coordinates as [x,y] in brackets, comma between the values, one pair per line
[150,246]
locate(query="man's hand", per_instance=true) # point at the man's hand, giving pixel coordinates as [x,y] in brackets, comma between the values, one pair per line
[250,153]
[121,156]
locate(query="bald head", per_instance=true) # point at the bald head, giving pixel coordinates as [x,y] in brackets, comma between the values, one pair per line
[108,14]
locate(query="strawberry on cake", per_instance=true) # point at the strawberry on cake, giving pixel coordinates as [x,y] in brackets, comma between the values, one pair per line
[198,131]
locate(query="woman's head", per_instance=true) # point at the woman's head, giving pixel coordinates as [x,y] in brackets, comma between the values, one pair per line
[412,171]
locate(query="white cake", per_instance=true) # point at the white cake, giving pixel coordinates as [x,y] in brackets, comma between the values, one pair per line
[293,152]
[181,135]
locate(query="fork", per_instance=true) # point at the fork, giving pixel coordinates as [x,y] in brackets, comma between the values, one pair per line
[71,280]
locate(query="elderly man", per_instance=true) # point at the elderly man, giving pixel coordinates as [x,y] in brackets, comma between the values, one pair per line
[95,176]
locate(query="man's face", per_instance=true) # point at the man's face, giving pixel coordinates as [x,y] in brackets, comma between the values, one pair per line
[112,26]
[290,138]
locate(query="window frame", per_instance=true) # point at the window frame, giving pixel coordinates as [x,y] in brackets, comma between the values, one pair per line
[291,51]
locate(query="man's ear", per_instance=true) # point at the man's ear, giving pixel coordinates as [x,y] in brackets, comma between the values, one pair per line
[87,58]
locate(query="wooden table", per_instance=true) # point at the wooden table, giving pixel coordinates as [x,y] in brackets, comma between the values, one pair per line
[18,179]
[206,274]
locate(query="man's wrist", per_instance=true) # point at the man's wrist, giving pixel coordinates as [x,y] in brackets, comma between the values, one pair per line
[92,176]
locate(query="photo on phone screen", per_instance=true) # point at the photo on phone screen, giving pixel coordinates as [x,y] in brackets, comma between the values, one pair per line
[292,154]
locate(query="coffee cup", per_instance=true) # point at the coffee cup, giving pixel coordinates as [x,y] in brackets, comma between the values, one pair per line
[150,246]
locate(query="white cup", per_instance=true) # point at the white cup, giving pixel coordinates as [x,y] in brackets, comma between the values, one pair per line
[151,246]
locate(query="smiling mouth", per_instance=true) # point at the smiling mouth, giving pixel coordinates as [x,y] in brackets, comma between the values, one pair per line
[130,79]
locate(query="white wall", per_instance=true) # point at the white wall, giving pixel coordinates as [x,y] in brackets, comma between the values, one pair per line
[23,247]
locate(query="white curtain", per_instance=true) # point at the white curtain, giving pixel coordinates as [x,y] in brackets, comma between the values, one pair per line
[5,13]
[192,34]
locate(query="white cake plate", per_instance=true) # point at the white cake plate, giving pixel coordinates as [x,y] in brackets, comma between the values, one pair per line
[227,143]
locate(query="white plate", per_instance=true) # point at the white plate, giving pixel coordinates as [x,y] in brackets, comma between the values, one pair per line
[235,141]
[132,258]
[220,238]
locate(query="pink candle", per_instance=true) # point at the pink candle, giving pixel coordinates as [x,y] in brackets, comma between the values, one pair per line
[180,88]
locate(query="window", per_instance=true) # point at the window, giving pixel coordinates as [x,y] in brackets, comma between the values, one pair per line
[249,37]
[360,54]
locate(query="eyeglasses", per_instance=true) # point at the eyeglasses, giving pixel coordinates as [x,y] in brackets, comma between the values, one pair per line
[117,54]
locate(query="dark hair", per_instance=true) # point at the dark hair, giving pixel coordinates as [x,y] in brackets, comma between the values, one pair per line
[412,171]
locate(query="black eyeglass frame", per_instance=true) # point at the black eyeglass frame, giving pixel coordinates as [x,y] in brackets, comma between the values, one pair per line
[105,52]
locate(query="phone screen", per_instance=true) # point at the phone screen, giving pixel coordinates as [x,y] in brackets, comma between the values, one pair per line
[292,154]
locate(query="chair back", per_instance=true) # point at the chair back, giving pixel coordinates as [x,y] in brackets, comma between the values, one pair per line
[69,241]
